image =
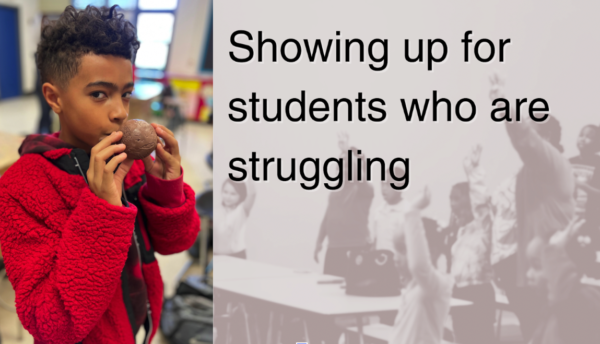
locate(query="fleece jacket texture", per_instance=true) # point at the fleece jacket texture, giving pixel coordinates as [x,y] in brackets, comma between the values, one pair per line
[67,251]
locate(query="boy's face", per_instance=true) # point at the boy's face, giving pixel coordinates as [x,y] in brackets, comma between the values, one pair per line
[95,103]
[586,140]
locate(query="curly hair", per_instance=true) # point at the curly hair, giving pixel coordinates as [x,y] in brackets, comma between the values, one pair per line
[100,31]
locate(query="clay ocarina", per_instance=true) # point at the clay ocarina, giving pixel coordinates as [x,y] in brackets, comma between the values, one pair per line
[139,138]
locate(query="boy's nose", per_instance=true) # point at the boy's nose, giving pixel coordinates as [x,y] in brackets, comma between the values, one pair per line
[119,114]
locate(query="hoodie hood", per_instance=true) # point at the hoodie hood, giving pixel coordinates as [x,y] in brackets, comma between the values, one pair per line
[48,145]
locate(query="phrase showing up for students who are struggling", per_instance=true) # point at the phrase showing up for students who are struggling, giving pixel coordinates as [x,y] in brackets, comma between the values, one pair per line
[248,47]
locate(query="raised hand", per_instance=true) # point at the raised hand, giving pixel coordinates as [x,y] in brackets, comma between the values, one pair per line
[497,86]
[472,160]
[561,238]
[167,164]
[343,141]
[101,176]
[421,201]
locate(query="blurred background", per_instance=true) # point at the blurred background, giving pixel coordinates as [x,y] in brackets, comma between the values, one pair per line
[173,87]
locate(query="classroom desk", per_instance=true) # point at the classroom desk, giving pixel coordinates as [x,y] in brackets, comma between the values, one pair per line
[378,333]
[229,268]
[316,298]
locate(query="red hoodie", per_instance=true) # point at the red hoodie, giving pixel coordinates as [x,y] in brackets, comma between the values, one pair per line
[74,259]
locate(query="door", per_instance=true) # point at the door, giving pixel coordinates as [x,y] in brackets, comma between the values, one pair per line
[10,58]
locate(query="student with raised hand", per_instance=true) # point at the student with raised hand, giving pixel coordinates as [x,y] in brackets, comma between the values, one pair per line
[471,253]
[237,203]
[543,201]
[388,215]
[586,171]
[346,220]
[425,300]
[573,308]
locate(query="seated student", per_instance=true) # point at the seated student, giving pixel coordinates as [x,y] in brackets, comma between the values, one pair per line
[230,234]
[79,222]
[425,301]
[471,254]
[586,170]
[573,309]
[388,216]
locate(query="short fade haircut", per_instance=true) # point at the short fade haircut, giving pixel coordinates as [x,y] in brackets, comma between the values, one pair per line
[99,31]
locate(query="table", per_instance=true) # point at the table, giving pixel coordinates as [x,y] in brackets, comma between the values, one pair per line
[319,300]
[229,268]
[379,333]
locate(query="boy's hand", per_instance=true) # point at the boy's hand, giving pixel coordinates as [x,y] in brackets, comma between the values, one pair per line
[167,164]
[102,178]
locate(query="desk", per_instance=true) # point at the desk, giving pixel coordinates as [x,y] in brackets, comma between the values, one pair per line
[378,333]
[294,294]
[229,268]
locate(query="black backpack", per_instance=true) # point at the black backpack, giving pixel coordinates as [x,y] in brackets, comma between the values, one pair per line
[372,273]
[187,319]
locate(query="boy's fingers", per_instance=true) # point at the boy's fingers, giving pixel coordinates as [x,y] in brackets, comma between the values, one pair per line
[170,141]
[109,151]
[148,162]
[162,153]
[105,142]
[123,170]
[111,166]
[162,127]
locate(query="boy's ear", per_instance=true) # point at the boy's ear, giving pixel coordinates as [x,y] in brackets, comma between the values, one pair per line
[52,95]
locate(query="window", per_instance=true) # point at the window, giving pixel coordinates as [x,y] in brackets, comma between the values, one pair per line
[206,63]
[154,20]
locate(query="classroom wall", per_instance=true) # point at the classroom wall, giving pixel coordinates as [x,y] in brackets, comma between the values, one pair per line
[29,24]
[187,48]
[53,6]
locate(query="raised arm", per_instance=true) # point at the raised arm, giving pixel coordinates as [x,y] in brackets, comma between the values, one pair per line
[250,196]
[530,146]
[477,188]
[417,249]
[541,158]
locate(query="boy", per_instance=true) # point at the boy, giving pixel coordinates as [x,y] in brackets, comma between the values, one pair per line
[425,302]
[79,222]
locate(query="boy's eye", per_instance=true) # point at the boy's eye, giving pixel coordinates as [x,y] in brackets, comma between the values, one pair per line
[98,95]
[127,95]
